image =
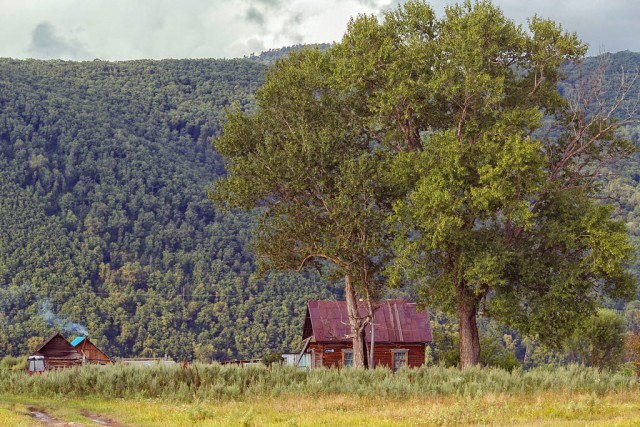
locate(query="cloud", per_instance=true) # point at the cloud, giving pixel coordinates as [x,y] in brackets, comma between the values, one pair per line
[47,44]
[254,15]
[271,3]
[290,29]
[125,29]
[370,3]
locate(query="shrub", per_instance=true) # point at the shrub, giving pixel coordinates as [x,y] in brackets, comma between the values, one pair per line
[213,381]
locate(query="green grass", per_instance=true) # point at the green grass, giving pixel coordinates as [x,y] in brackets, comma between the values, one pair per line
[208,382]
[215,395]
[549,408]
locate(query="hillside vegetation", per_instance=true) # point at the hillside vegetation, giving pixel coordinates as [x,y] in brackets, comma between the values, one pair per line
[105,222]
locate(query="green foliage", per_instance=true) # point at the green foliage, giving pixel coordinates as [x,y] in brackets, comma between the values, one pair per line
[500,212]
[104,217]
[271,358]
[18,363]
[599,342]
[494,352]
[104,170]
[216,382]
[306,163]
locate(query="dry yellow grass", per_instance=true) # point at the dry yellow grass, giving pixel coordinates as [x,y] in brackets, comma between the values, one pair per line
[544,409]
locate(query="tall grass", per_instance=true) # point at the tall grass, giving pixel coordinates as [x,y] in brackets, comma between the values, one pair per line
[214,381]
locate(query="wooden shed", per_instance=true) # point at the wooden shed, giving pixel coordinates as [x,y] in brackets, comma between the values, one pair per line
[57,353]
[90,353]
[400,333]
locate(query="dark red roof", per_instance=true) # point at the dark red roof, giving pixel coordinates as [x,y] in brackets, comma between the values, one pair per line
[396,321]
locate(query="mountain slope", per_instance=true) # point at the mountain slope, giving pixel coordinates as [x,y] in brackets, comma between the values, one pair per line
[105,223]
[105,218]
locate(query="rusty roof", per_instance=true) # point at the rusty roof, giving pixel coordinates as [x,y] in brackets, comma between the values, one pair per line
[47,341]
[82,344]
[58,347]
[396,321]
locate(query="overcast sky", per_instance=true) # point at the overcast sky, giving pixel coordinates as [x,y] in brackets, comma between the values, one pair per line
[135,29]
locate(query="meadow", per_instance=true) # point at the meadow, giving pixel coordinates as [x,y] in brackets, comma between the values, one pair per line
[211,395]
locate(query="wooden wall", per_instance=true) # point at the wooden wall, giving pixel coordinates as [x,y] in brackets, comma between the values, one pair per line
[58,353]
[330,354]
[92,354]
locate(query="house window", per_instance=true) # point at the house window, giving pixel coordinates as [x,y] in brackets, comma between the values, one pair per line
[400,358]
[347,358]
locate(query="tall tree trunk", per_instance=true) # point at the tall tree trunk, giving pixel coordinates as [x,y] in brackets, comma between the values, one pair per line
[467,310]
[355,322]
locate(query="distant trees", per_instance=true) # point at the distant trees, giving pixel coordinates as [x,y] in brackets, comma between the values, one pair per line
[600,341]
[490,212]
[104,169]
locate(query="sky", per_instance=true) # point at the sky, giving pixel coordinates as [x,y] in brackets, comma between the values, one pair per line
[155,29]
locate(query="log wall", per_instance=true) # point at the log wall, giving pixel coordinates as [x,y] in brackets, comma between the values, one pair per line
[331,354]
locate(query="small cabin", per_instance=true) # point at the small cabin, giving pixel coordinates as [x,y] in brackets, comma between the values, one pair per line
[90,353]
[55,352]
[400,334]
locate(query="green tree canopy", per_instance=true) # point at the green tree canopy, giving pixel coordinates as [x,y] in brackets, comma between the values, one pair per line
[492,171]
[303,159]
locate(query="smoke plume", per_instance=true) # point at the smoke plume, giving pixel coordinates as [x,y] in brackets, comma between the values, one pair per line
[59,322]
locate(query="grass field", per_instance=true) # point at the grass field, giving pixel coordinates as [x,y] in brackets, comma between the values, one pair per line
[212,395]
[545,409]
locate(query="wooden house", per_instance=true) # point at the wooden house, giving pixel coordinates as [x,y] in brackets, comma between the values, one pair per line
[90,353]
[400,333]
[55,352]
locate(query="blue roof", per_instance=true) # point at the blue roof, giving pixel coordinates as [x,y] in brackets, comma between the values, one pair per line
[77,341]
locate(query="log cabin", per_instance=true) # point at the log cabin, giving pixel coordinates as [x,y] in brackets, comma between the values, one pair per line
[400,334]
[90,353]
[55,352]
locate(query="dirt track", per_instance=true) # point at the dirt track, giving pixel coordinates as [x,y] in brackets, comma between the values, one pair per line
[44,418]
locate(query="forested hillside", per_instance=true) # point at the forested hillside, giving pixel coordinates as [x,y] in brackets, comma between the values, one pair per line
[104,218]
[607,76]
[622,181]
[105,222]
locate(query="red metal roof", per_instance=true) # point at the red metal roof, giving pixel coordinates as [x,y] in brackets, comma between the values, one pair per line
[396,321]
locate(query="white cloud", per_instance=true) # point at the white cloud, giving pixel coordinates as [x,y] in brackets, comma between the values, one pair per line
[133,29]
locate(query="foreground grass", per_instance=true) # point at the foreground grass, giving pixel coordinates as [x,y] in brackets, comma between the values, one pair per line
[495,409]
[216,382]
[215,395]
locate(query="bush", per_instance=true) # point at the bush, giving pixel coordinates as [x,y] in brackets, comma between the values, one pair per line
[600,341]
[214,381]
[14,363]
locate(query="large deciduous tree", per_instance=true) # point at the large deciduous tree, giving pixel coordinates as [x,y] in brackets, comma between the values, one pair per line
[303,159]
[458,119]
[501,217]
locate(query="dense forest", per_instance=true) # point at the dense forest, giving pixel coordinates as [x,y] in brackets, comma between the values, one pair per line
[105,224]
